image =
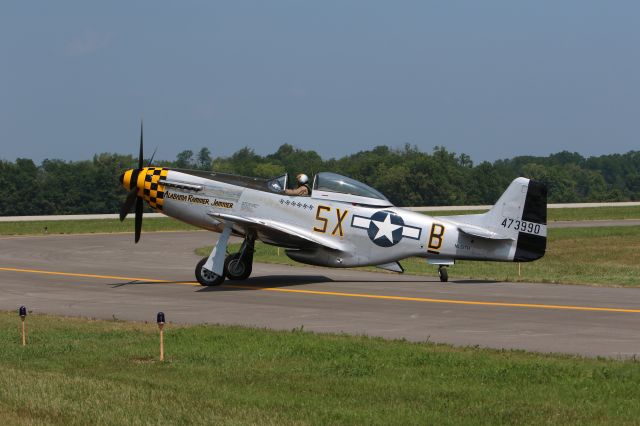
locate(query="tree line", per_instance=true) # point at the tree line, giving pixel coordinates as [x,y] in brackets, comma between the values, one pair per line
[407,176]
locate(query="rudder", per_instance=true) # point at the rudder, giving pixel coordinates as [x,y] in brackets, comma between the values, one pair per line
[531,246]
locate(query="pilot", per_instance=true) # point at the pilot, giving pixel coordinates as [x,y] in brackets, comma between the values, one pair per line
[302,189]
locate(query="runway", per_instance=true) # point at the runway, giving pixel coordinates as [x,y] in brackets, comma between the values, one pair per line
[107,276]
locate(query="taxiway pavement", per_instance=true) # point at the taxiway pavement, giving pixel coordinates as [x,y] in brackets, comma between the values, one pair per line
[107,276]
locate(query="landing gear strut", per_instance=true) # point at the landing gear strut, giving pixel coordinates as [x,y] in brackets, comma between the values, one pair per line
[443,274]
[212,270]
[238,266]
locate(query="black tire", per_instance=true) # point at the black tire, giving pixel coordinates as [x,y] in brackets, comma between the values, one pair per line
[236,270]
[205,277]
[443,274]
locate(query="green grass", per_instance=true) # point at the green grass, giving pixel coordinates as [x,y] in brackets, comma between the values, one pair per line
[599,256]
[91,226]
[76,371]
[595,213]
[586,213]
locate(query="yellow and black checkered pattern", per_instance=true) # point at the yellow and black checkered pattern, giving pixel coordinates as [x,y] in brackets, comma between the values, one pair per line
[151,188]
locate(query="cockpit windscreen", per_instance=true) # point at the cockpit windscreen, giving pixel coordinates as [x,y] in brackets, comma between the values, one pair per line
[334,182]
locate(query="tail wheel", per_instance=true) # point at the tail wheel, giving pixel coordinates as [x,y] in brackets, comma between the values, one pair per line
[236,268]
[443,274]
[206,277]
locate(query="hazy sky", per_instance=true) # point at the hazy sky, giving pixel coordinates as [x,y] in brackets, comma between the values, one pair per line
[492,79]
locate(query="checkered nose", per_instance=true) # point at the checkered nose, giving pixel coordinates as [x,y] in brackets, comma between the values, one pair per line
[150,184]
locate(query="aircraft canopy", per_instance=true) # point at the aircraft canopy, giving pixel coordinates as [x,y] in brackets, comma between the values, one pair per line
[332,186]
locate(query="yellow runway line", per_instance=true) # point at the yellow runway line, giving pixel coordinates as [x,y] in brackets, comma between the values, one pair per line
[341,294]
[107,277]
[449,301]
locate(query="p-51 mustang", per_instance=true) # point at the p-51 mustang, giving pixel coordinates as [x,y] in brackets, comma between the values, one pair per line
[343,223]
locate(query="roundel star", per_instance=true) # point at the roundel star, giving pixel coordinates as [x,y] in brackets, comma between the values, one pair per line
[385,229]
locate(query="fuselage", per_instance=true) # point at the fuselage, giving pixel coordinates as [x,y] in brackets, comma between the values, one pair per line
[341,232]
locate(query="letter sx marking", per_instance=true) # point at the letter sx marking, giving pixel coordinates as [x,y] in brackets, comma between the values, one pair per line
[324,222]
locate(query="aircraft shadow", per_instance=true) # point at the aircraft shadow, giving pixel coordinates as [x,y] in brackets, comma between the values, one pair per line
[425,280]
[278,281]
[258,283]
[147,282]
[473,282]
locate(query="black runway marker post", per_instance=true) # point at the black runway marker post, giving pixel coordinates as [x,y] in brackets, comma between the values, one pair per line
[161,327]
[23,316]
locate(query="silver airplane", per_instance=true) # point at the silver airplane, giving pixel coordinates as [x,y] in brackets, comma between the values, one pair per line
[342,224]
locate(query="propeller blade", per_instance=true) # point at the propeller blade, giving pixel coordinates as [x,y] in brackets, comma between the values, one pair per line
[140,157]
[152,155]
[139,207]
[126,207]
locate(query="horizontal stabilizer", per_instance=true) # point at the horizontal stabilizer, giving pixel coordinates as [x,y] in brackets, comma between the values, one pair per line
[477,231]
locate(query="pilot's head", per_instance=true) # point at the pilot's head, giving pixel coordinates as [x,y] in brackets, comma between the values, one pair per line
[302,179]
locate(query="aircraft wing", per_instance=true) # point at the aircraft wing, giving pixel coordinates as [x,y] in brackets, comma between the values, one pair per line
[279,233]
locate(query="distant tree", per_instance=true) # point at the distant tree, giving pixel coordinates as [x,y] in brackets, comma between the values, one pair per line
[296,160]
[109,194]
[204,159]
[465,161]
[566,157]
[244,161]
[268,170]
[222,165]
[184,159]
[24,190]
[406,175]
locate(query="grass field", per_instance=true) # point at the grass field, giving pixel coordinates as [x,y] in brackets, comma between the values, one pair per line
[599,256]
[77,371]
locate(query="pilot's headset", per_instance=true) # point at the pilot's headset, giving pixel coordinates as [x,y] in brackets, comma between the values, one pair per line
[302,178]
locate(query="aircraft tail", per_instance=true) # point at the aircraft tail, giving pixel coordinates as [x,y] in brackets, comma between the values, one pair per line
[520,215]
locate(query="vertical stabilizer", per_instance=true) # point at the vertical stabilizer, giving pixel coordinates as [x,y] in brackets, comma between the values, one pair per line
[521,213]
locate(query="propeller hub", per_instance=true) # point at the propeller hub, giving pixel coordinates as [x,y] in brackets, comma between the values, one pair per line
[129,178]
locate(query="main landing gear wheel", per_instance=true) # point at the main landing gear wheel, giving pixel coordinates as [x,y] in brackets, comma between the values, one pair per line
[443,274]
[206,277]
[236,268]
